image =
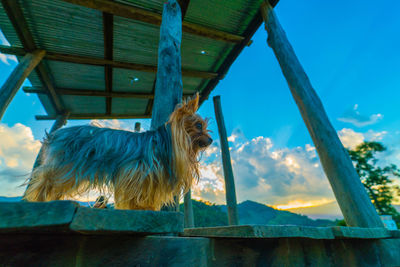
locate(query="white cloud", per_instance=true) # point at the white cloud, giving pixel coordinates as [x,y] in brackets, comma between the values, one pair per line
[18,151]
[264,173]
[3,40]
[354,117]
[350,138]
[6,58]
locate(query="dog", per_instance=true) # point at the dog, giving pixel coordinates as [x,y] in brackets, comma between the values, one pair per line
[144,170]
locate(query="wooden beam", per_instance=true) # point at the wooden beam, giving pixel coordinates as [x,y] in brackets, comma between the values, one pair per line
[184,4]
[132,12]
[108,33]
[103,62]
[17,78]
[168,89]
[237,49]
[84,92]
[90,116]
[350,194]
[20,25]
[230,191]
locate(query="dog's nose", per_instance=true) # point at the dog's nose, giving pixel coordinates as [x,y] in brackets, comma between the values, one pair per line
[209,141]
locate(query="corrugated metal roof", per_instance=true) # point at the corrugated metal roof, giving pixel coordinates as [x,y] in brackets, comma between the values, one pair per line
[64,28]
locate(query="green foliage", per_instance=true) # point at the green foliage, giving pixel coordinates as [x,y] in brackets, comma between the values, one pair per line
[207,214]
[340,223]
[378,181]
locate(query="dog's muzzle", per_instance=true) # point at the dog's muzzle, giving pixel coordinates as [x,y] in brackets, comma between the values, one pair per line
[206,143]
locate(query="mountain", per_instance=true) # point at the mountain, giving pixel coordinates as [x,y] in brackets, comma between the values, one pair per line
[10,199]
[329,211]
[250,212]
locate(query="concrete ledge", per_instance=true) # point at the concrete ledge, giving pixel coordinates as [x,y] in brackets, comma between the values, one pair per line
[360,233]
[36,216]
[144,222]
[291,231]
[68,216]
[262,231]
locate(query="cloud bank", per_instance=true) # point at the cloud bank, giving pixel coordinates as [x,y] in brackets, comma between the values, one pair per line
[354,117]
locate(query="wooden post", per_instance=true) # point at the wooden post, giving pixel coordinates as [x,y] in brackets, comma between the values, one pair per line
[230,192]
[17,78]
[356,207]
[137,127]
[189,218]
[168,89]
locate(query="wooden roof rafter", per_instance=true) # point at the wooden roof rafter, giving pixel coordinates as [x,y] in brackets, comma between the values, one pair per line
[20,25]
[135,13]
[103,62]
[108,33]
[90,116]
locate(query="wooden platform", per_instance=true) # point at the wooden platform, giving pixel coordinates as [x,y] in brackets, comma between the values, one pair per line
[61,233]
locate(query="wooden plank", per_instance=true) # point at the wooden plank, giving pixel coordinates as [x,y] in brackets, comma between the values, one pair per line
[108,33]
[238,48]
[51,216]
[136,13]
[168,89]
[90,116]
[96,93]
[354,202]
[230,191]
[104,62]
[141,222]
[262,231]
[20,25]
[360,233]
[17,78]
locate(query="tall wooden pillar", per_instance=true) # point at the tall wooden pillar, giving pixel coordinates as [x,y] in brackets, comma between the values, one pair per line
[17,78]
[230,191]
[189,218]
[350,193]
[168,90]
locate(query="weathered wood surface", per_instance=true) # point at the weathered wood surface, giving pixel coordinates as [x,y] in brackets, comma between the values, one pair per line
[137,13]
[20,25]
[230,191]
[262,231]
[188,212]
[363,233]
[131,250]
[17,78]
[91,116]
[143,222]
[168,90]
[67,216]
[36,216]
[105,62]
[350,193]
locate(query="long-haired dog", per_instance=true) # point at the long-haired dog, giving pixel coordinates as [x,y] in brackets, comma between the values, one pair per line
[144,170]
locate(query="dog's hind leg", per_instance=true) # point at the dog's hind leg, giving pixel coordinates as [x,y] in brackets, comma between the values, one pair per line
[44,186]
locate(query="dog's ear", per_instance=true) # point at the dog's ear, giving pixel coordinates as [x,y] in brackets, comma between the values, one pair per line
[193,104]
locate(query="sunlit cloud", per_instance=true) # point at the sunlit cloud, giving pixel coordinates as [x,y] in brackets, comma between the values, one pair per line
[354,117]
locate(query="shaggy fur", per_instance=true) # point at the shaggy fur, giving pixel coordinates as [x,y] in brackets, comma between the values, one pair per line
[144,170]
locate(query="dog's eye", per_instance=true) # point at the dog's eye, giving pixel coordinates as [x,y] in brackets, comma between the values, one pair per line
[199,126]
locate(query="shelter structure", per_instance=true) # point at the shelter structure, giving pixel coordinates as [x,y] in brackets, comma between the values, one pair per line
[131,59]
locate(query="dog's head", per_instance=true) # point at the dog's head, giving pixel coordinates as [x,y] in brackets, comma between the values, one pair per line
[195,126]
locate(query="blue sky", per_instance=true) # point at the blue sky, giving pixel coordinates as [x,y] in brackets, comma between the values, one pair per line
[350,53]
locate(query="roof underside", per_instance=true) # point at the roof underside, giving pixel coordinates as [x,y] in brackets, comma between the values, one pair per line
[103,65]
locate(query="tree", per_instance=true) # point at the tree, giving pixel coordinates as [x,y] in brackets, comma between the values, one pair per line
[377,180]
